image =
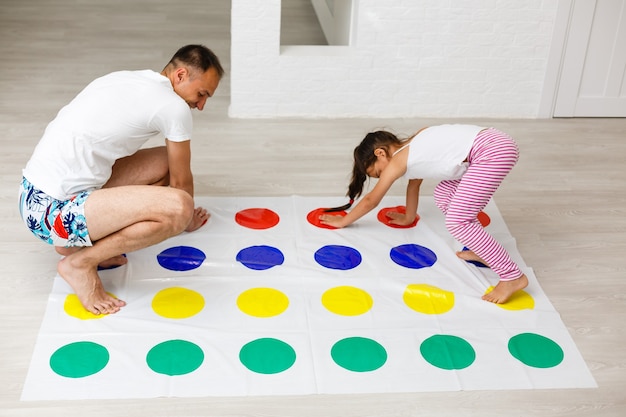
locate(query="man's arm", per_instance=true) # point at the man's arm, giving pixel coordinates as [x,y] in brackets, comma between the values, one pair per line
[179,161]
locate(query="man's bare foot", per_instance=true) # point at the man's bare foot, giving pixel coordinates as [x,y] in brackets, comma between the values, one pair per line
[118,260]
[113,262]
[505,289]
[88,287]
[199,219]
[468,255]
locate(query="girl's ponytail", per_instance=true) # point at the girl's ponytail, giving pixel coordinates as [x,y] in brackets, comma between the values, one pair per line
[363,158]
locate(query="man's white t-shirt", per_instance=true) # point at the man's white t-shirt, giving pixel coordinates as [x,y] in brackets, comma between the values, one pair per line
[110,119]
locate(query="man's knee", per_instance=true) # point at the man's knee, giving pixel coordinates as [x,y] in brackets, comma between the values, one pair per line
[180,210]
[186,208]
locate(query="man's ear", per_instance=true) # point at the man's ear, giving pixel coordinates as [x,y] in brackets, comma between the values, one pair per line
[181,74]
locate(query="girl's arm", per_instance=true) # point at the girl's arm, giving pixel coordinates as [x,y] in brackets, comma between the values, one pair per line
[391,173]
[413,197]
[412,201]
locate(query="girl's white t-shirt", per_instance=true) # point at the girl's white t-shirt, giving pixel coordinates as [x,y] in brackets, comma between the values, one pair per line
[110,119]
[439,152]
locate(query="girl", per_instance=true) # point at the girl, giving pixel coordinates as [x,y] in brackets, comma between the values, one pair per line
[470,160]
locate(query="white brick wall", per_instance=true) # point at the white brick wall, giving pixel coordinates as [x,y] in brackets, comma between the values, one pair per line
[411,58]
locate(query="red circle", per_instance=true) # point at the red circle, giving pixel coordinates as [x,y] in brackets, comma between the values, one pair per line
[314,217]
[257,218]
[383,218]
[483,218]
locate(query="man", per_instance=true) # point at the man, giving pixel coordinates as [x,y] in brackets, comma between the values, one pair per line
[89,188]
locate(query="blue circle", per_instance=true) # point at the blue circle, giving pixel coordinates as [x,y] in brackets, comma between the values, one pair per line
[181,258]
[260,257]
[338,257]
[413,256]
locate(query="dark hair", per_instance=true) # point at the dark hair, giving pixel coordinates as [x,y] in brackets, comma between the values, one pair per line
[198,57]
[364,157]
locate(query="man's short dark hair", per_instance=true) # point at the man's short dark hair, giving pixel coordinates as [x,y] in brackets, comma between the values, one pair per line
[197,56]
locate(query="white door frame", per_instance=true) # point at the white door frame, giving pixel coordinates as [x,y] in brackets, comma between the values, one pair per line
[561,96]
[555,58]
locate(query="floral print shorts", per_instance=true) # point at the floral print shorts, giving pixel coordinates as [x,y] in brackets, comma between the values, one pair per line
[57,222]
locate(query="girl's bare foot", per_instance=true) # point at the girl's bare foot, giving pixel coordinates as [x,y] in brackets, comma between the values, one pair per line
[88,287]
[505,289]
[468,255]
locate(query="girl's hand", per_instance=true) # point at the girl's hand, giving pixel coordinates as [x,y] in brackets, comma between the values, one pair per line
[401,219]
[331,220]
[200,217]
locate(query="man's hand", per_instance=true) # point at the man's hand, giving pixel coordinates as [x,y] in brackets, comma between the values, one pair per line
[200,217]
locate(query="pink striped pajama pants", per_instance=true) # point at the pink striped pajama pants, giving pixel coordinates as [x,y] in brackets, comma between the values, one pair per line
[491,158]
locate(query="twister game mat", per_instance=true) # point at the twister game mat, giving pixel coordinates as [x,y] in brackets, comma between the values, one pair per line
[261,301]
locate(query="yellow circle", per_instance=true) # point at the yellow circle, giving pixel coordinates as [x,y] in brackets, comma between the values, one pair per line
[347,301]
[262,302]
[520,300]
[177,303]
[428,299]
[74,308]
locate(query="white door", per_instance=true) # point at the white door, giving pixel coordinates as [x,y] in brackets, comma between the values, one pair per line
[593,72]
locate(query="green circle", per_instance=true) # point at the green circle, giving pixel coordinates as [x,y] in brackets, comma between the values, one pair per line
[267,356]
[175,357]
[80,359]
[534,350]
[359,354]
[447,352]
